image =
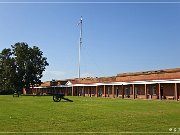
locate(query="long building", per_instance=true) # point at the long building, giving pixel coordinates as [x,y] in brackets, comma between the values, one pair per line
[156,84]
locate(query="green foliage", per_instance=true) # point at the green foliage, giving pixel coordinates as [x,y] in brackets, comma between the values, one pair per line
[21,67]
[7,71]
[85,114]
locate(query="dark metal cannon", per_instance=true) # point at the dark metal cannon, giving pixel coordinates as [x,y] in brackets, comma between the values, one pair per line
[16,94]
[58,97]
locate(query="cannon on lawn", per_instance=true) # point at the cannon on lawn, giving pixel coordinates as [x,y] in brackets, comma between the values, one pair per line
[16,94]
[58,97]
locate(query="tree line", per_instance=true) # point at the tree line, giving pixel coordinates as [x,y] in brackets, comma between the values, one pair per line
[21,67]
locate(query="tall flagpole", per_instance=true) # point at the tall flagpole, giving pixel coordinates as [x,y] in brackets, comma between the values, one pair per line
[80,44]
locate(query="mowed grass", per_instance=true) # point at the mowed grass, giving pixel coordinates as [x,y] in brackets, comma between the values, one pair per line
[85,114]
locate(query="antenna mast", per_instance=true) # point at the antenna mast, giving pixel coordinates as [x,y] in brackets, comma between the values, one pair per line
[80,44]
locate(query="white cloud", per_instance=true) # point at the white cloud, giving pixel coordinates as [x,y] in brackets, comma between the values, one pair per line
[49,75]
[87,75]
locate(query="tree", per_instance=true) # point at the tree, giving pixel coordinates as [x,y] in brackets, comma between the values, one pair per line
[7,71]
[22,66]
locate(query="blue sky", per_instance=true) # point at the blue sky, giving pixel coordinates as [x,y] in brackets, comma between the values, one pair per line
[117,37]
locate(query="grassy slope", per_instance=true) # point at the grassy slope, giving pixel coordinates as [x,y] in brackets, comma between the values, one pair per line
[26,114]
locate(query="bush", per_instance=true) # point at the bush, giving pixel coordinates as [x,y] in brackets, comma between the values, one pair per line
[6,92]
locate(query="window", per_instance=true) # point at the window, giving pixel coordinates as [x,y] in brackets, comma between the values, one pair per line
[136,91]
[154,90]
[109,91]
[130,92]
[148,91]
[126,91]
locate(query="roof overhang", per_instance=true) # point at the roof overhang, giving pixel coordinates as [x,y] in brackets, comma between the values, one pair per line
[61,86]
[41,87]
[69,84]
[130,82]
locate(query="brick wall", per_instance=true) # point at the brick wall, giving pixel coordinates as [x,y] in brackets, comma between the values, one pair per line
[160,76]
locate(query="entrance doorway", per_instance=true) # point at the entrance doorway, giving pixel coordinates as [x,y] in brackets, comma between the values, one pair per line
[117,92]
[161,92]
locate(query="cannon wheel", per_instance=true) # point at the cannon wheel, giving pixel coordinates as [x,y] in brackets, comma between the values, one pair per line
[56,98]
[15,94]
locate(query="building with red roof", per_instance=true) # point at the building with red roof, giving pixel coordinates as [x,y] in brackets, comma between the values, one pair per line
[155,84]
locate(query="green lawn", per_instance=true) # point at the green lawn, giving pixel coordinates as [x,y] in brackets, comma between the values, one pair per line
[85,114]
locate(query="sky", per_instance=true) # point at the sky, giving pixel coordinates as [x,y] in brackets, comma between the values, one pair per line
[117,37]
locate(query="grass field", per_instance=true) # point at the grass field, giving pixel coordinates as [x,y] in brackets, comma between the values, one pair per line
[85,114]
